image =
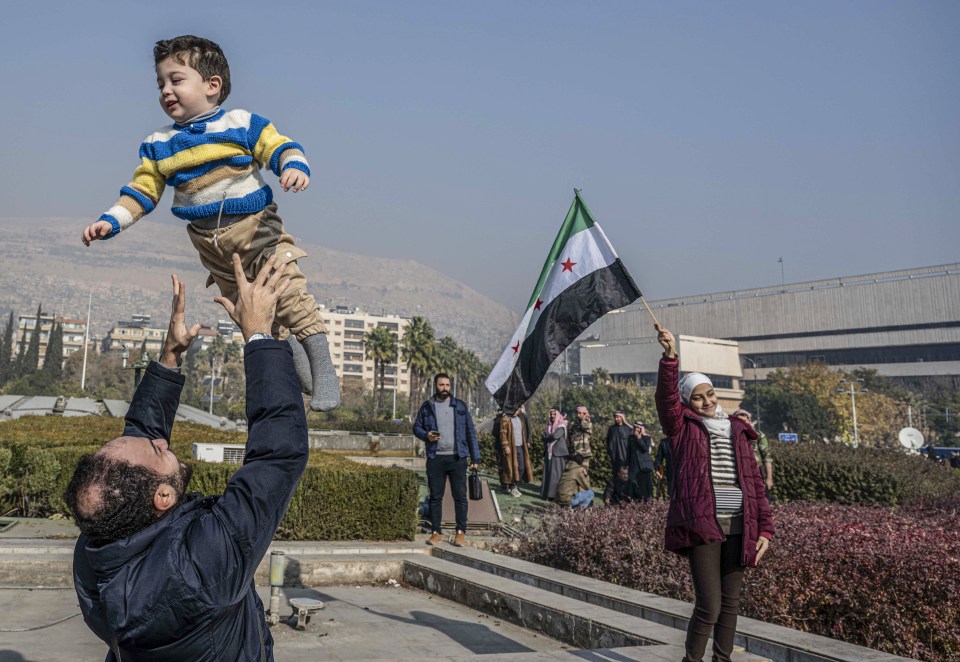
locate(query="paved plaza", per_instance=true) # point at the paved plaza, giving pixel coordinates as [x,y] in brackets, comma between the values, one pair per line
[357,623]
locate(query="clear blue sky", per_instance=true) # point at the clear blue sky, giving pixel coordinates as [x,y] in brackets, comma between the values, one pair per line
[709,138]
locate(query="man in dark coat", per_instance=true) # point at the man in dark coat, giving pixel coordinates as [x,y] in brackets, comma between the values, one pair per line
[165,575]
[618,436]
[640,462]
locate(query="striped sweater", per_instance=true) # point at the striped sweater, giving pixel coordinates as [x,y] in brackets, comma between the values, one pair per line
[723,467]
[210,163]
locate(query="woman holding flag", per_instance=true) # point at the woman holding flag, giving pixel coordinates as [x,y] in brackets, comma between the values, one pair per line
[718,517]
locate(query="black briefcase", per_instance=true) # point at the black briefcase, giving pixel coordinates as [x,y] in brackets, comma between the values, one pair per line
[475,486]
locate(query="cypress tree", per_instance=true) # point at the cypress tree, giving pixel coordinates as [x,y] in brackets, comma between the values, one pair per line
[53,359]
[31,358]
[6,351]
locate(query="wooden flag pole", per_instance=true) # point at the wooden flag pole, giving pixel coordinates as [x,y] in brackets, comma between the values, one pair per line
[647,306]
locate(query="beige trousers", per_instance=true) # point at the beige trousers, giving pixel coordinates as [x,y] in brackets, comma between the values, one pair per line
[255,238]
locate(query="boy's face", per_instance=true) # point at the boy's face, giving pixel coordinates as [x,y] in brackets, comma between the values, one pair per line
[183,92]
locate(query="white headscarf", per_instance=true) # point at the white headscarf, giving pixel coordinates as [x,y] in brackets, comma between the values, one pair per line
[690,382]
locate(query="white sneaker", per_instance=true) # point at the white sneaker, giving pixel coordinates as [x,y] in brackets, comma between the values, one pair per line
[515,492]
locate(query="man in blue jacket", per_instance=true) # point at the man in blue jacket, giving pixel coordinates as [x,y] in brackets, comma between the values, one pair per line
[446,427]
[166,575]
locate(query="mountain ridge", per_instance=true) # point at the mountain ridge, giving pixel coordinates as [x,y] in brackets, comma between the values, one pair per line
[127,275]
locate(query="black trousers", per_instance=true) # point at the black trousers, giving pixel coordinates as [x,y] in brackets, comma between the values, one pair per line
[717,580]
[439,469]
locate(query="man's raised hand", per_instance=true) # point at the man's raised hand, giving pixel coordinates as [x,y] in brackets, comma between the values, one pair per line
[256,301]
[179,336]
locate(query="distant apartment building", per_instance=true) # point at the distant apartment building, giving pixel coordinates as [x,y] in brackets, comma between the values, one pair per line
[345,330]
[134,335]
[73,332]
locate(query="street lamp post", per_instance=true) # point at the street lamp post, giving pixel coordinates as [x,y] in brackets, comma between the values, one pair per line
[853,404]
[756,391]
[396,377]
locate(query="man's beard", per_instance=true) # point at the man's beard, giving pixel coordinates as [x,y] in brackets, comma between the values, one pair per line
[180,480]
[441,396]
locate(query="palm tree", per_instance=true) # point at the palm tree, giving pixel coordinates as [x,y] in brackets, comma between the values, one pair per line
[380,344]
[416,350]
[447,352]
[601,376]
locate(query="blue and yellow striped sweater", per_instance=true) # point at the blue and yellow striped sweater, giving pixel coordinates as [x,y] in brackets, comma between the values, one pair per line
[209,163]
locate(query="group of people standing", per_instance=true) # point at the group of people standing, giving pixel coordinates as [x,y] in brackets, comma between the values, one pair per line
[567,453]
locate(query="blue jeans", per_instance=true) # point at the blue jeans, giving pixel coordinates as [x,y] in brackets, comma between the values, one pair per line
[440,468]
[582,499]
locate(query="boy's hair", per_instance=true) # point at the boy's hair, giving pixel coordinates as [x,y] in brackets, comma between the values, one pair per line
[201,54]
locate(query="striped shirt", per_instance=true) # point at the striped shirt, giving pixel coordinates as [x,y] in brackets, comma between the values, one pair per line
[723,468]
[214,166]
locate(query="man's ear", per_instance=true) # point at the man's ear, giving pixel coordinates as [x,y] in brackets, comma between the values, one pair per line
[165,497]
[214,83]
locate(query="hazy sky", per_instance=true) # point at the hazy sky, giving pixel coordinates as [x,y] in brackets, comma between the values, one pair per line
[709,138]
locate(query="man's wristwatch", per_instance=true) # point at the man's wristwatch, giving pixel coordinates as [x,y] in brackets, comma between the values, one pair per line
[259,336]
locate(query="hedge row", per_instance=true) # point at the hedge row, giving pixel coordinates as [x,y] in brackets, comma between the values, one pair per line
[336,499]
[886,579]
[840,474]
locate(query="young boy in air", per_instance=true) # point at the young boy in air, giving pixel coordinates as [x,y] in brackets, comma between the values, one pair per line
[212,158]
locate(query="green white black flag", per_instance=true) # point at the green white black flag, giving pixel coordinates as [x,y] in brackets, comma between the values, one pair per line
[582,280]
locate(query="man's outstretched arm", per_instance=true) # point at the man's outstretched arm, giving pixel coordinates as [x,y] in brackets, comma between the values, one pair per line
[228,546]
[155,402]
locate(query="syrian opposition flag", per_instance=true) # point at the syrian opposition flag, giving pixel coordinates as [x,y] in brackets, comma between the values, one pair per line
[582,280]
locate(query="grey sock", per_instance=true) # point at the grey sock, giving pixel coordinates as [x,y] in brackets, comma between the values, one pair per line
[302,364]
[326,386]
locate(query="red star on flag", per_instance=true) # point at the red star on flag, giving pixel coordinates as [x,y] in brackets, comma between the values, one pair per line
[516,348]
[568,265]
[537,305]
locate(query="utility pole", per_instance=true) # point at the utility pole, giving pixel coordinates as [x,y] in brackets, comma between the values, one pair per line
[783,281]
[396,377]
[853,403]
[86,340]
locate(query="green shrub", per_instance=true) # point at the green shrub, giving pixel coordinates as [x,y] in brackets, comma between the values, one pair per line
[337,499]
[840,474]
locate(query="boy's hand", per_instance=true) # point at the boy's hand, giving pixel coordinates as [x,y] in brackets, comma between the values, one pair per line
[298,180]
[257,301]
[95,231]
[667,341]
[179,336]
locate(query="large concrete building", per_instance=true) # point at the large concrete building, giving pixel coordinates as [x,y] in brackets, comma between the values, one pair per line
[904,324]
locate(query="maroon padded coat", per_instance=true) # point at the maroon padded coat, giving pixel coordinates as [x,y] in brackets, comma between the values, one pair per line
[691,518]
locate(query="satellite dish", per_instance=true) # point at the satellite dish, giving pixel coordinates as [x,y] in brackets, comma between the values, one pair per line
[911,438]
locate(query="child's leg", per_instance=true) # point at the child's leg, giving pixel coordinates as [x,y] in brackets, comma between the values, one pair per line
[216,248]
[302,363]
[299,312]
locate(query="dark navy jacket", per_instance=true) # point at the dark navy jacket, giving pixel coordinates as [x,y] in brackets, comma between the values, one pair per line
[464,434]
[182,588]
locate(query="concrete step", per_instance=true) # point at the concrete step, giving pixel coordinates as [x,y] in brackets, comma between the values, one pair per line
[756,637]
[49,563]
[567,619]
